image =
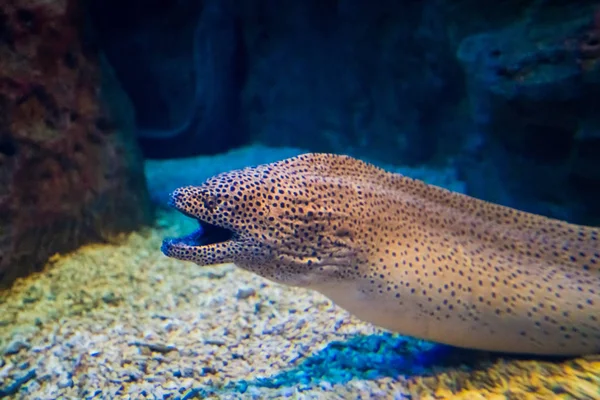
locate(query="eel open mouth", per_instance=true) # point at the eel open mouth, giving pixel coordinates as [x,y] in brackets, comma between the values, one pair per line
[211,234]
[205,235]
[208,244]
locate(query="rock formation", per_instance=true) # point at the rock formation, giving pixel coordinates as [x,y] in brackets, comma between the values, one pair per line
[534,87]
[504,91]
[70,171]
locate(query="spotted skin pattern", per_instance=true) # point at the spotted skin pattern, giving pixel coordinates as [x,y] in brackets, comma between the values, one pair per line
[404,255]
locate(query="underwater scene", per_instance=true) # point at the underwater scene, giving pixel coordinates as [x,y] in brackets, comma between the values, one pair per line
[303,199]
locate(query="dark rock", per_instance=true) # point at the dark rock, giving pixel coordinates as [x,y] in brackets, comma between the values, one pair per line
[534,89]
[180,62]
[372,78]
[377,79]
[70,171]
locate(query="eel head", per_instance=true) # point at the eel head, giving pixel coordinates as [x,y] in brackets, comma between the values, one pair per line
[289,221]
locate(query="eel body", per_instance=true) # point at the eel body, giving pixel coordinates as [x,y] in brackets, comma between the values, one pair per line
[404,255]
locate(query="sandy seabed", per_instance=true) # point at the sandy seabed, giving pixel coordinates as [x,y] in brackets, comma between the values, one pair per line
[122,321]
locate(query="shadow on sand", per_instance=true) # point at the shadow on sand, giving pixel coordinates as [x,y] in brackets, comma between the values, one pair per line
[372,357]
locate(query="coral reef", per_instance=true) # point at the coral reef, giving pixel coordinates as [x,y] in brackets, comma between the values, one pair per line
[70,171]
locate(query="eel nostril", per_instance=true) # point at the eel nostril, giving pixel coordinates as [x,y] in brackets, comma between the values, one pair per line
[174,197]
[210,202]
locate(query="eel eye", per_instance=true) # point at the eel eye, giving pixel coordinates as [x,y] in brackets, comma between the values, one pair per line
[209,201]
[343,232]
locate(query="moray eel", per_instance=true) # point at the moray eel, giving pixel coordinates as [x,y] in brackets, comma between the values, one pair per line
[401,254]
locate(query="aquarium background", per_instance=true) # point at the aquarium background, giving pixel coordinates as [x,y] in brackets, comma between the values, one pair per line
[503,92]
[106,106]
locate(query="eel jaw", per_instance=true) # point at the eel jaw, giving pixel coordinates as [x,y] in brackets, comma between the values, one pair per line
[208,245]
